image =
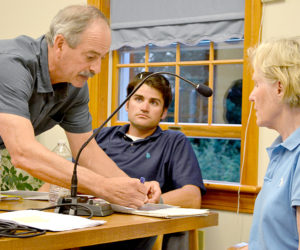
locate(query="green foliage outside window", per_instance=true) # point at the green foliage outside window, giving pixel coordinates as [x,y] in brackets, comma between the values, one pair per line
[15,179]
[219,159]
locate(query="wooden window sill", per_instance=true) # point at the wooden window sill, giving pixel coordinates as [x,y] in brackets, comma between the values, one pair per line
[224,196]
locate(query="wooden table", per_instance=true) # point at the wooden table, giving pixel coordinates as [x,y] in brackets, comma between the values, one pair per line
[118,227]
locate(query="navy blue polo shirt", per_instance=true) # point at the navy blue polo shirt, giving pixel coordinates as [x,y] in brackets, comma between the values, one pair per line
[26,89]
[166,156]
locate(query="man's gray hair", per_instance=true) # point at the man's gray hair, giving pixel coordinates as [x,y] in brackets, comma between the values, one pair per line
[72,21]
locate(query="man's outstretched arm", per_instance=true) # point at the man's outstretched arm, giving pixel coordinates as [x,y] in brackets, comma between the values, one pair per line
[29,155]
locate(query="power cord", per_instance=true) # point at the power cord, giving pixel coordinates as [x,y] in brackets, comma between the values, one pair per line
[13,230]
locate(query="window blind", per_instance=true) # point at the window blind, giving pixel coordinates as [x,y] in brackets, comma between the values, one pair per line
[136,23]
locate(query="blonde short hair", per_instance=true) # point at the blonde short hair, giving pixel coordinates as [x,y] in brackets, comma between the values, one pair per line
[279,60]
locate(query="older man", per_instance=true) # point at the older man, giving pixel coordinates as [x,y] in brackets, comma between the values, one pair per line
[43,83]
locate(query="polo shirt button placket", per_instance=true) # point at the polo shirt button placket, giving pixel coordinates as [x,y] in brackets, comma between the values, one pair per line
[132,148]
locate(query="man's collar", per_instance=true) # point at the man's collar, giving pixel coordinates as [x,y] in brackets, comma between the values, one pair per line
[123,130]
[44,82]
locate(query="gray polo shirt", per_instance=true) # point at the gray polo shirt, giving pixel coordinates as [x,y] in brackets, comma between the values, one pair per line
[26,89]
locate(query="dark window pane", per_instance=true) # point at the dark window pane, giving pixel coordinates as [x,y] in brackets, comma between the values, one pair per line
[171,69]
[193,108]
[195,53]
[232,49]
[227,97]
[125,75]
[130,55]
[162,54]
[219,159]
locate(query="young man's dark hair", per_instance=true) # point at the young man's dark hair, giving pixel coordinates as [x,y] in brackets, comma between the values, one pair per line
[158,82]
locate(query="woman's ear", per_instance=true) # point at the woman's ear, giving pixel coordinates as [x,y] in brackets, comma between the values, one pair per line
[126,105]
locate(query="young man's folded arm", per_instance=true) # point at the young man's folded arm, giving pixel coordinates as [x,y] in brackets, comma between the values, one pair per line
[188,196]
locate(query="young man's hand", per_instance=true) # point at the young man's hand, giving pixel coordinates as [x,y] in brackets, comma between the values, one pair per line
[153,191]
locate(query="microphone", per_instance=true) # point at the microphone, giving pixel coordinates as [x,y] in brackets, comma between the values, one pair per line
[200,88]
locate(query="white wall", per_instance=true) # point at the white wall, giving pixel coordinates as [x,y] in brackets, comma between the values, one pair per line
[30,17]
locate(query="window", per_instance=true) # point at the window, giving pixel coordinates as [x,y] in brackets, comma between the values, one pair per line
[217,156]
[216,126]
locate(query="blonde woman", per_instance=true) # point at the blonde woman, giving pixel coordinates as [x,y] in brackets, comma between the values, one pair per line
[276,97]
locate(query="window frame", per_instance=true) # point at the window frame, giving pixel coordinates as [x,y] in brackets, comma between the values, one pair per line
[98,85]
[220,195]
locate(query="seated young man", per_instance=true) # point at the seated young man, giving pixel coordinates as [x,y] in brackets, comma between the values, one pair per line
[142,149]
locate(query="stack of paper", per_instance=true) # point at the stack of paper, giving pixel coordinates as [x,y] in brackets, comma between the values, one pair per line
[160,210]
[27,195]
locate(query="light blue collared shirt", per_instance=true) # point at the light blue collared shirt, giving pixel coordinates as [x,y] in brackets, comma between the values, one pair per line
[274,223]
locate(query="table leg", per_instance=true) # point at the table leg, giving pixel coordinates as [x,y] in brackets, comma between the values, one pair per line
[193,239]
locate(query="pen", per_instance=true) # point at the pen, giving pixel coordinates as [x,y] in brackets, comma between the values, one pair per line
[142,180]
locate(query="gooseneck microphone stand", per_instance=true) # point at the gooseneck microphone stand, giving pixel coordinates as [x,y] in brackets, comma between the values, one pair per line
[74,199]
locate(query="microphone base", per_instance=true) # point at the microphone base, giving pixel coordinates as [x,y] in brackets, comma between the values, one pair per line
[100,208]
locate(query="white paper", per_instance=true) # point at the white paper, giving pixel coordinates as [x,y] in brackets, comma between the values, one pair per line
[162,210]
[49,221]
[173,212]
[28,195]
